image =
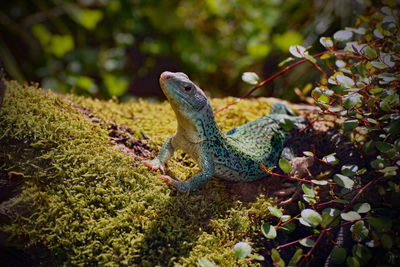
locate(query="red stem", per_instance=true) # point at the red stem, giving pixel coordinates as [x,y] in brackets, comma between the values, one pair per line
[268,80]
[287,176]
[324,231]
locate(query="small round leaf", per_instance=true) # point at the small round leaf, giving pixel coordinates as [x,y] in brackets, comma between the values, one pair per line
[343,180]
[307,242]
[268,231]
[338,255]
[311,216]
[285,166]
[206,263]
[275,211]
[242,250]
[350,216]
[362,207]
[250,77]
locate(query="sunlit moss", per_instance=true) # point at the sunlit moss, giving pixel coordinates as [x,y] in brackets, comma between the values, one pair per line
[86,202]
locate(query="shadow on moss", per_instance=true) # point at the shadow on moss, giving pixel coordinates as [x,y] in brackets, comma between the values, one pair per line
[84,203]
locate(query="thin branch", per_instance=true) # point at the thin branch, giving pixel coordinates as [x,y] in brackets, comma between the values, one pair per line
[44,15]
[15,28]
[268,80]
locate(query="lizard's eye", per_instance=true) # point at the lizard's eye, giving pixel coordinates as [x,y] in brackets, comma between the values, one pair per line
[188,88]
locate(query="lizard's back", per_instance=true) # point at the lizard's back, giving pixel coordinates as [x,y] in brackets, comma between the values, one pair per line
[260,140]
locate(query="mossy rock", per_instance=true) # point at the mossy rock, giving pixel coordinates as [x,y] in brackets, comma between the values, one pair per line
[77,199]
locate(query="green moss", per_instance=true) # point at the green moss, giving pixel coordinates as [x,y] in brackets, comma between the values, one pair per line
[86,203]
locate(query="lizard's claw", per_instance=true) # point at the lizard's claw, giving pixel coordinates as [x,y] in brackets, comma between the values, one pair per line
[154,165]
[167,179]
[177,184]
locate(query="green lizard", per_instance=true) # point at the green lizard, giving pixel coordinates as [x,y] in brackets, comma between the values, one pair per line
[235,155]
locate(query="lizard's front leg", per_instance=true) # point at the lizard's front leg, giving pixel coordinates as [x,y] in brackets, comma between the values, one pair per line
[207,169]
[166,152]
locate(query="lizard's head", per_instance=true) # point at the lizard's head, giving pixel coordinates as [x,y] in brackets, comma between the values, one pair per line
[185,97]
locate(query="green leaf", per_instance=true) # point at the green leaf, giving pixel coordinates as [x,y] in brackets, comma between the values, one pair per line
[389,102]
[386,78]
[275,211]
[327,216]
[286,124]
[285,166]
[287,39]
[342,35]
[362,253]
[331,159]
[61,44]
[307,242]
[89,18]
[343,180]
[116,86]
[86,83]
[389,171]
[42,34]
[383,146]
[257,257]
[289,227]
[308,199]
[352,262]
[359,231]
[258,50]
[206,263]
[350,216]
[296,257]
[381,224]
[268,231]
[308,189]
[310,58]
[311,217]
[319,182]
[338,255]
[301,205]
[349,170]
[349,125]
[308,153]
[387,241]
[379,65]
[283,62]
[276,258]
[362,207]
[297,51]
[344,80]
[369,52]
[250,78]
[326,42]
[352,100]
[242,250]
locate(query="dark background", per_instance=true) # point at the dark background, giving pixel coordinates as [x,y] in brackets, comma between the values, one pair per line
[119,48]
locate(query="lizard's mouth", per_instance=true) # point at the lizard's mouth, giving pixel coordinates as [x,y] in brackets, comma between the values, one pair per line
[174,94]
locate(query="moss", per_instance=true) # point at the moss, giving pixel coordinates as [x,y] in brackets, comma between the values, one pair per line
[84,201]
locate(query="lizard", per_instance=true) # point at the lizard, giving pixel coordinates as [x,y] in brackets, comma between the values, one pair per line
[234,155]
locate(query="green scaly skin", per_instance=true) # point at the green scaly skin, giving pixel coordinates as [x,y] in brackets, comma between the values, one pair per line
[235,155]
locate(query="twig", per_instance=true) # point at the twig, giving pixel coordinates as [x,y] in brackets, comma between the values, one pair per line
[268,80]
[346,208]
[287,176]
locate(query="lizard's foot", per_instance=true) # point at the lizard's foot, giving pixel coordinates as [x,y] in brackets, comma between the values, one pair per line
[154,165]
[177,184]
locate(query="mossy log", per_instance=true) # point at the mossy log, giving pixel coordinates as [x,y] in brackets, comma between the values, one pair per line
[73,190]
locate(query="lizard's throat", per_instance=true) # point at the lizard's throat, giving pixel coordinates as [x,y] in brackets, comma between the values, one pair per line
[198,128]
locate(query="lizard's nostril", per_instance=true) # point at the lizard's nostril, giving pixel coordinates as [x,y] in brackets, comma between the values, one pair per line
[166,75]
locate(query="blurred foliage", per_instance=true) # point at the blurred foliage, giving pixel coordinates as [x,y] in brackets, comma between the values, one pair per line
[108,47]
